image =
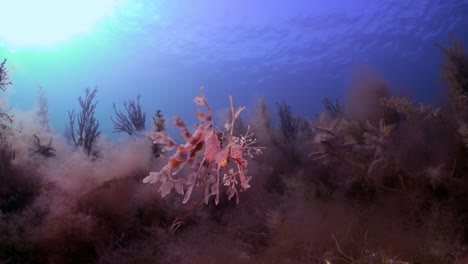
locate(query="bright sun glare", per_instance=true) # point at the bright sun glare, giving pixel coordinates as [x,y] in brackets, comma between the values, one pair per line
[49,22]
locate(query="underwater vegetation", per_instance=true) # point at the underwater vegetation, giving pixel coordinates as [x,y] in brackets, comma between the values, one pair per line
[132,121]
[377,178]
[86,134]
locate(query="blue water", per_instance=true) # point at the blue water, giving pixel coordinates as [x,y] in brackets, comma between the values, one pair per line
[299,51]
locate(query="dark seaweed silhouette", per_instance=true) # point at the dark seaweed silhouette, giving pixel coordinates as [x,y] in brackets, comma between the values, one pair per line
[159,126]
[287,122]
[4,79]
[334,109]
[4,83]
[43,150]
[43,109]
[132,121]
[86,134]
[6,153]
[159,122]
[292,127]
[455,72]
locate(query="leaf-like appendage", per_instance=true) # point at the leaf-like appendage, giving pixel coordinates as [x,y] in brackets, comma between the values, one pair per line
[188,194]
[178,187]
[163,139]
[166,188]
[231,191]
[238,111]
[243,179]
[179,123]
[153,177]
[214,188]
[204,117]
[200,100]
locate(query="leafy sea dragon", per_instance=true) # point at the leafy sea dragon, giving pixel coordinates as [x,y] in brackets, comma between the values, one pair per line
[208,140]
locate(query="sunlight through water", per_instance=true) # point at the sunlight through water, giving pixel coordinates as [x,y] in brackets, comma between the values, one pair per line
[50,22]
